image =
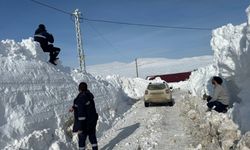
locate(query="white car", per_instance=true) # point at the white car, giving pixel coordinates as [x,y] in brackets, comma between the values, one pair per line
[159,93]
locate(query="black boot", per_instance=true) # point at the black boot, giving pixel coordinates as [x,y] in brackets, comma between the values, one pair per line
[52,62]
[53,58]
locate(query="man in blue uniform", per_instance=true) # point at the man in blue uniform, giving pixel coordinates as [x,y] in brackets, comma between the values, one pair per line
[85,117]
[44,38]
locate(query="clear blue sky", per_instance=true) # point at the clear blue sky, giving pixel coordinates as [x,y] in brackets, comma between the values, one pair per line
[19,19]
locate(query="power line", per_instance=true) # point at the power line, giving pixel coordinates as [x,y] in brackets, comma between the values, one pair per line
[148,25]
[77,15]
[124,23]
[52,7]
[117,22]
[102,36]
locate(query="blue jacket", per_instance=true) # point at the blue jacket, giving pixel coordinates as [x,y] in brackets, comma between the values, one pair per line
[85,116]
[43,37]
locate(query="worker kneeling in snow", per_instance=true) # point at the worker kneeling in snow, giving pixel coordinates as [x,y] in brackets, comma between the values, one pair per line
[85,117]
[44,38]
[220,100]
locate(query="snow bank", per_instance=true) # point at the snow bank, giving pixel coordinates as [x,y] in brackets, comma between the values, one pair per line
[133,87]
[232,58]
[244,143]
[36,96]
[231,61]
[231,46]
[211,130]
[26,50]
[200,80]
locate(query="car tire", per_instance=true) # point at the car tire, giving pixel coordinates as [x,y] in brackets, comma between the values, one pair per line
[171,103]
[146,104]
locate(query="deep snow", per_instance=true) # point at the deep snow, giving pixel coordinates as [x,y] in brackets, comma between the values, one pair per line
[36,95]
[231,61]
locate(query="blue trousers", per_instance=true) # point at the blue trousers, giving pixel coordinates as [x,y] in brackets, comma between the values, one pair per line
[219,107]
[92,138]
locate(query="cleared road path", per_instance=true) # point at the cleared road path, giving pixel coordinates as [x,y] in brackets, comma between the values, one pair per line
[156,127]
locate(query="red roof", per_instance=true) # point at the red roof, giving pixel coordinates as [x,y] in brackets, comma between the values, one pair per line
[175,77]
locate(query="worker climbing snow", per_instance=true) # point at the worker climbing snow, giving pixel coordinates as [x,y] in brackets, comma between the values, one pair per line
[46,39]
[85,117]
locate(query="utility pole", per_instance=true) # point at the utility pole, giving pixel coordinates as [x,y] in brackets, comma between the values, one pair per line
[77,14]
[136,67]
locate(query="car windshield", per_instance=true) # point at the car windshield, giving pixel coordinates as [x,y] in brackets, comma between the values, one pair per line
[156,86]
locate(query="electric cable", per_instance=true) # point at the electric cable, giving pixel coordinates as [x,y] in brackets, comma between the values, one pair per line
[124,23]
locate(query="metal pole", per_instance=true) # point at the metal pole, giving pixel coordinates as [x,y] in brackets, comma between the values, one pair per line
[77,15]
[136,67]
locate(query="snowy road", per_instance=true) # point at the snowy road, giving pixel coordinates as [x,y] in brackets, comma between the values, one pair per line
[157,127]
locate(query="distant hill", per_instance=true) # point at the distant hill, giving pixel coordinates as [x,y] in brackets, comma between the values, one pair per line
[151,66]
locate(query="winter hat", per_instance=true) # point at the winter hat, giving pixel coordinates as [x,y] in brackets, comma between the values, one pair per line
[42,26]
[218,79]
[83,86]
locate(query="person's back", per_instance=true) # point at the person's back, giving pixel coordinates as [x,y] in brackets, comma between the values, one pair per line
[220,99]
[91,114]
[221,95]
[45,39]
[86,109]
[85,117]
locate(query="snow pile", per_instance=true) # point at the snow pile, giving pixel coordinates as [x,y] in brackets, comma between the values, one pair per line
[37,140]
[36,96]
[26,50]
[133,87]
[231,45]
[212,130]
[200,80]
[244,143]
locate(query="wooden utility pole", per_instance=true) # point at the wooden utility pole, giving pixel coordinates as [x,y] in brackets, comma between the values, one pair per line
[136,67]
